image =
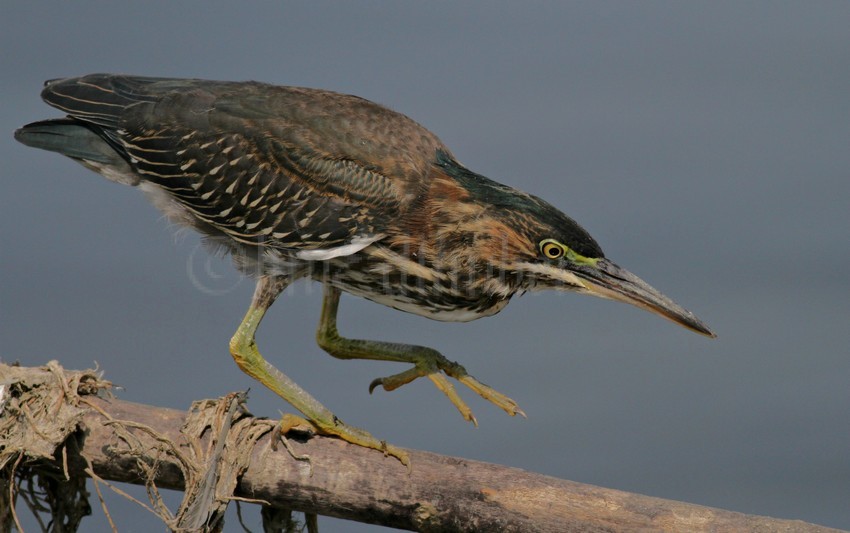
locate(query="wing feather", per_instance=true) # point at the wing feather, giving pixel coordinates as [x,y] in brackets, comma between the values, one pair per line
[294,168]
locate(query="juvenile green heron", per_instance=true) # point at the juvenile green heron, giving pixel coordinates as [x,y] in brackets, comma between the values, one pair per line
[298,182]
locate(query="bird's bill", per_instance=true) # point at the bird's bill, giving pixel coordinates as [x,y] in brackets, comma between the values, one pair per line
[607,280]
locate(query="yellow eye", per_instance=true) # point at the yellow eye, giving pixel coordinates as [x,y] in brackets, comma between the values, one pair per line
[551,249]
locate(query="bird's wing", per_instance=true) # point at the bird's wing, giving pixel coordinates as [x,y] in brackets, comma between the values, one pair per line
[314,171]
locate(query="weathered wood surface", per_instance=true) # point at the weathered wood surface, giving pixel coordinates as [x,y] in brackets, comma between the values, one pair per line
[439,494]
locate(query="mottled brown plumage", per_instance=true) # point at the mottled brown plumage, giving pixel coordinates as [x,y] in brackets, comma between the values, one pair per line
[299,182]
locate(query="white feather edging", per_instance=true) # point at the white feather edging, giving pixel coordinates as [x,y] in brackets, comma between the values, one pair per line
[323,254]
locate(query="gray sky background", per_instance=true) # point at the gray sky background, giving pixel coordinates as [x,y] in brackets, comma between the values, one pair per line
[704,144]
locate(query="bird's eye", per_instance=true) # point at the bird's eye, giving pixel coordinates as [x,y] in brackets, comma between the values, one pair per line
[551,249]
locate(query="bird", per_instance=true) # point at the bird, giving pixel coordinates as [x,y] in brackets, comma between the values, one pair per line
[297,183]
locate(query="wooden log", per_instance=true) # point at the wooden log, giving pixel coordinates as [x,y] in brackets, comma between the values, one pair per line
[440,493]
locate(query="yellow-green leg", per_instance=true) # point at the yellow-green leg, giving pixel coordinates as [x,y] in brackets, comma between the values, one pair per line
[426,361]
[244,351]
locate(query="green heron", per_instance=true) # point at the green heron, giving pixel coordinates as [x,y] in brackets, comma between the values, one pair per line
[306,183]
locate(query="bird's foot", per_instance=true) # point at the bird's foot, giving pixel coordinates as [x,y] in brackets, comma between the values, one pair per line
[337,428]
[433,367]
[290,422]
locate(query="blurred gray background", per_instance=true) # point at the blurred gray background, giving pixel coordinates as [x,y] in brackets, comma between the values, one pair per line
[706,145]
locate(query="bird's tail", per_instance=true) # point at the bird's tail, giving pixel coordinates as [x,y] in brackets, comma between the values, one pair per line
[79,141]
[66,136]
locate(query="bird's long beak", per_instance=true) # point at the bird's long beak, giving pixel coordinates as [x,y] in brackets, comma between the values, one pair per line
[607,280]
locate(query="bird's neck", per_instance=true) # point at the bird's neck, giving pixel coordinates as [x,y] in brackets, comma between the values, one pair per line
[459,238]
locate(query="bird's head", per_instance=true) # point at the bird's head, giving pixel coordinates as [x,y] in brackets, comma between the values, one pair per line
[540,247]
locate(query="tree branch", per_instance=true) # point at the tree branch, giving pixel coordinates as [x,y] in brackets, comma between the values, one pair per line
[440,493]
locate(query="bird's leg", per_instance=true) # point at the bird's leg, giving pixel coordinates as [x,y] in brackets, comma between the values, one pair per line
[244,350]
[427,362]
